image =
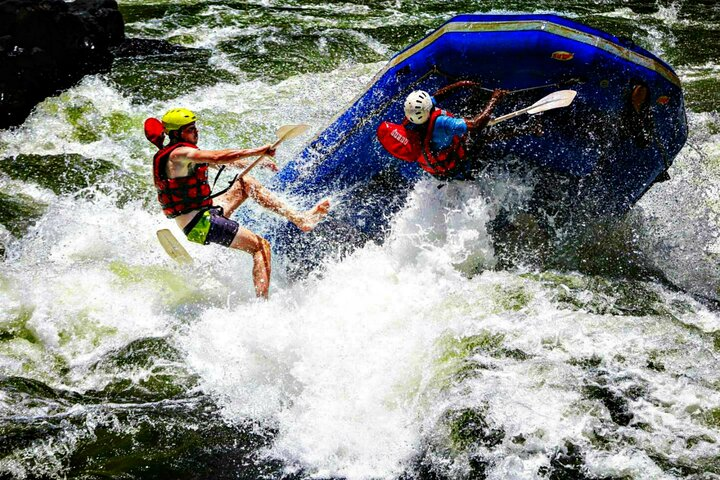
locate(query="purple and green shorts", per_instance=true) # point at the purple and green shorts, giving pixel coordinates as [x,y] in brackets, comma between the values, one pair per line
[210,226]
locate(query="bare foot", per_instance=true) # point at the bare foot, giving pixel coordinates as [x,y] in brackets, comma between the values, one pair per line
[310,218]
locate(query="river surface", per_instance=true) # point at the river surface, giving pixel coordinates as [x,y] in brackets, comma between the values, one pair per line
[442,352]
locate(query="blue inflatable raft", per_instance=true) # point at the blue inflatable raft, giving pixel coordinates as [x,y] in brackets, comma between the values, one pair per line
[608,148]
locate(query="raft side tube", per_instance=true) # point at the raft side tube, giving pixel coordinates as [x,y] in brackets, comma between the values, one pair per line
[598,137]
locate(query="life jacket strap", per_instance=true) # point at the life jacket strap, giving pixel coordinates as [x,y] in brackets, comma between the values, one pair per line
[232,182]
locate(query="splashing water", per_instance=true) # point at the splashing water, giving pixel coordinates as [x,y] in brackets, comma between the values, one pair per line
[441,352]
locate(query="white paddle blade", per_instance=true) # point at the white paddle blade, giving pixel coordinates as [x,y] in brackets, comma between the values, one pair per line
[173,248]
[286,132]
[560,99]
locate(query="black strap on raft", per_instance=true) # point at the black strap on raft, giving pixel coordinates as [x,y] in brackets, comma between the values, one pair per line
[564,83]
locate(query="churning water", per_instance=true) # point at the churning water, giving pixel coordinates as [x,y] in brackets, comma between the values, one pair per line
[453,349]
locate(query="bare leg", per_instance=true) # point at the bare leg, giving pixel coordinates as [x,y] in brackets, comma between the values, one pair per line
[249,187]
[259,248]
[313,216]
[233,198]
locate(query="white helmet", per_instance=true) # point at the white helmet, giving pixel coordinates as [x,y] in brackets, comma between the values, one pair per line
[418,106]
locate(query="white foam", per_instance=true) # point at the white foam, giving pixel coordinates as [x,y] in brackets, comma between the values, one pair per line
[345,365]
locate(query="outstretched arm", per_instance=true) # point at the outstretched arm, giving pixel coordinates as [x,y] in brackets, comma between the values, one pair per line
[439,94]
[230,157]
[482,119]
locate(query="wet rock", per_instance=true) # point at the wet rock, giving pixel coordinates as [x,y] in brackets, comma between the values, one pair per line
[701,469]
[5,238]
[429,466]
[143,352]
[655,364]
[712,417]
[21,436]
[14,325]
[613,400]
[567,463]
[424,468]
[478,467]
[461,451]
[152,371]
[145,47]
[19,212]
[48,45]
[603,296]
[599,386]
[644,7]
[469,427]
[591,362]
[34,388]
[183,439]
[62,174]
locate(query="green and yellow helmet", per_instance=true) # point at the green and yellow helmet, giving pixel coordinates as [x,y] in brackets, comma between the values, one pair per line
[177,118]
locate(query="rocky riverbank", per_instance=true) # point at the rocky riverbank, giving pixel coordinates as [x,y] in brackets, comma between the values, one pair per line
[47,46]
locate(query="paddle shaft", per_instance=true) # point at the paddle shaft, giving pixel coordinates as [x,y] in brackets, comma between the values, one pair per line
[285,132]
[516,114]
[257,160]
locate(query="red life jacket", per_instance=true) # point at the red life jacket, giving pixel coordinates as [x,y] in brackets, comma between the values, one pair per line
[412,146]
[399,141]
[444,160]
[181,194]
